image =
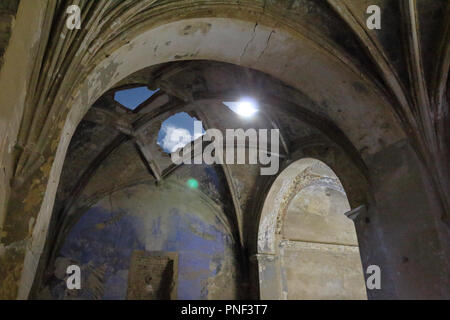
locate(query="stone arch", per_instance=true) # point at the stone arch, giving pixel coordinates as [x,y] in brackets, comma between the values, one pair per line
[273,241]
[197,45]
[293,175]
[322,72]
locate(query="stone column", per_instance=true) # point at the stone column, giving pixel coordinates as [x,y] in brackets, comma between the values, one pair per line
[269,276]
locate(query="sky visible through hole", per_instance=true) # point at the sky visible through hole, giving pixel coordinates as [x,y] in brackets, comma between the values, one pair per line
[132,98]
[177,131]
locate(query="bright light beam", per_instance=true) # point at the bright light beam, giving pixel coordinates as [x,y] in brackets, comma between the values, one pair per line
[245,108]
[192,183]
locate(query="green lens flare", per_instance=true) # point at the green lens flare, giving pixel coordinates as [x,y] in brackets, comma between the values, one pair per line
[192,183]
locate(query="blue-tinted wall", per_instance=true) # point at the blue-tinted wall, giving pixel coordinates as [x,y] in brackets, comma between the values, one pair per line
[171,217]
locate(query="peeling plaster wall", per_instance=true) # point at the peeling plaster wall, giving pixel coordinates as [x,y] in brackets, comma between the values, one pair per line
[319,256]
[17,67]
[8,10]
[376,123]
[170,217]
[308,248]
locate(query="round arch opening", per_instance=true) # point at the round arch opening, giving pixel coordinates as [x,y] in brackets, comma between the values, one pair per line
[307,246]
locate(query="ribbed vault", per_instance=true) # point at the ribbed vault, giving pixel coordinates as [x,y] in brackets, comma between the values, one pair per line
[379,109]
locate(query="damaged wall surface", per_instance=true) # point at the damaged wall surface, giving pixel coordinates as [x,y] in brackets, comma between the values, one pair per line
[372,110]
[170,218]
[319,252]
[307,247]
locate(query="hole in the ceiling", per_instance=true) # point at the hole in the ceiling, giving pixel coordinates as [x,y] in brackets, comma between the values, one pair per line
[245,108]
[178,131]
[132,98]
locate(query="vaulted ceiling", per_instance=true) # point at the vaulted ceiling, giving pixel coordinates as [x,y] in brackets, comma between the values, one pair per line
[323,78]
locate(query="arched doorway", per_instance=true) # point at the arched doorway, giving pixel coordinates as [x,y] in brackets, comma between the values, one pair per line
[196,42]
[345,94]
[307,247]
